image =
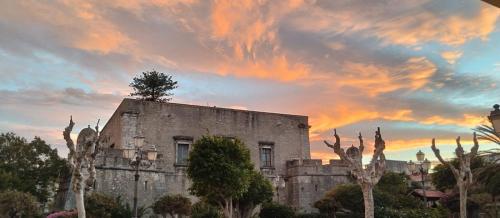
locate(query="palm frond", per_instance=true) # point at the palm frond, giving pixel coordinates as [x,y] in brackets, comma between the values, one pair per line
[487,133]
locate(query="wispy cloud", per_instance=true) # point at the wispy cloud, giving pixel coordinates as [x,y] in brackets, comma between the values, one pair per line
[353,65]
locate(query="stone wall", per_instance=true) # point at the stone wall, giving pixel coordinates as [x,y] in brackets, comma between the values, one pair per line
[160,123]
[397,166]
[309,181]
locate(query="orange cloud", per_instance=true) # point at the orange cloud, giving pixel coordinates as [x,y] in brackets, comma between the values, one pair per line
[278,68]
[406,27]
[453,30]
[324,156]
[468,120]
[375,79]
[396,145]
[345,115]
[451,56]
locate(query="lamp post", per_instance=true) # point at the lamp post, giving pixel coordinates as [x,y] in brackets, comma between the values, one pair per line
[495,119]
[139,156]
[422,166]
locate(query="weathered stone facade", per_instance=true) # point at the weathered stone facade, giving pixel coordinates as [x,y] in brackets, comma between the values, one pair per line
[166,125]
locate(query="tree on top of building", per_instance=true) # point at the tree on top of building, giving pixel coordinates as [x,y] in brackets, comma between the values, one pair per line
[153,86]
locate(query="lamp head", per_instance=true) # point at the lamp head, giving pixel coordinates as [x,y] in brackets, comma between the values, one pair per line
[152,153]
[139,141]
[420,156]
[426,165]
[128,153]
[495,118]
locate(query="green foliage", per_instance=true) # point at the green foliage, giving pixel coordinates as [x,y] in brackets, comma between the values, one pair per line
[153,86]
[453,203]
[8,180]
[488,133]
[347,196]
[98,205]
[272,210]
[18,204]
[312,215]
[219,168]
[393,183]
[259,191]
[32,167]
[382,212]
[493,185]
[172,204]
[202,209]
[443,178]
[327,206]
[390,196]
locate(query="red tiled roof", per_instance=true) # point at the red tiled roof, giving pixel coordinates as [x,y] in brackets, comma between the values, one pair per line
[429,193]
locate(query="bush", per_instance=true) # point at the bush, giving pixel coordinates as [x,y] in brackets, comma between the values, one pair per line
[313,215]
[383,212]
[272,210]
[172,204]
[18,204]
[203,210]
[64,214]
[98,205]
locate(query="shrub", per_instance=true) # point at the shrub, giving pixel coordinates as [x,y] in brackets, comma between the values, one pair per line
[99,205]
[172,204]
[64,214]
[313,215]
[18,204]
[203,210]
[273,210]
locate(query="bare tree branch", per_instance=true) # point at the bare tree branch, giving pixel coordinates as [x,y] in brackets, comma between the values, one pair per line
[69,142]
[361,144]
[437,153]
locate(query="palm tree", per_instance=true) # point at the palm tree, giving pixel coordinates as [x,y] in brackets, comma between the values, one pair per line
[486,132]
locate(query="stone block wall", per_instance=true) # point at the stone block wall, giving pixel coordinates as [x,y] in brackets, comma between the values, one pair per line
[308,181]
[162,123]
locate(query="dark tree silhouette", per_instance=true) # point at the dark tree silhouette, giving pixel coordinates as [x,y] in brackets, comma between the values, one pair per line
[153,86]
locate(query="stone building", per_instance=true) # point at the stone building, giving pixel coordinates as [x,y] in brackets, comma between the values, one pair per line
[278,144]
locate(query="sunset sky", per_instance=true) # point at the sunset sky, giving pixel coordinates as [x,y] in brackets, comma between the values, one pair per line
[418,69]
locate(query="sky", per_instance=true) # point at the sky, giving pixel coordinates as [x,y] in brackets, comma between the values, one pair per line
[418,69]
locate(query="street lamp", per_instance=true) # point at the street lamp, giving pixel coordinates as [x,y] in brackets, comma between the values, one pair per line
[139,156]
[422,166]
[495,118]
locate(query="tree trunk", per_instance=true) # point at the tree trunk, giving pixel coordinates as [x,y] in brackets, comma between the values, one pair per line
[228,208]
[246,211]
[79,202]
[368,198]
[463,199]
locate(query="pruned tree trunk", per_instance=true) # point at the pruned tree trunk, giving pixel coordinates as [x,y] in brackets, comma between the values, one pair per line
[463,199]
[463,175]
[228,208]
[367,177]
[83,154]
[80,206]
[368,201]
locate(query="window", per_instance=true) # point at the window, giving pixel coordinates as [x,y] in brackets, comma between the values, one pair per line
[266,156]
[182,153]
[182,144]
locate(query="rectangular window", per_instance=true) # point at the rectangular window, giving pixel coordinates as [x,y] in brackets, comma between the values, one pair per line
[266,156]
[182,153]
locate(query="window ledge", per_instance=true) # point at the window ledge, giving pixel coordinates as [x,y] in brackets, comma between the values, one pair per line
[180,165]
